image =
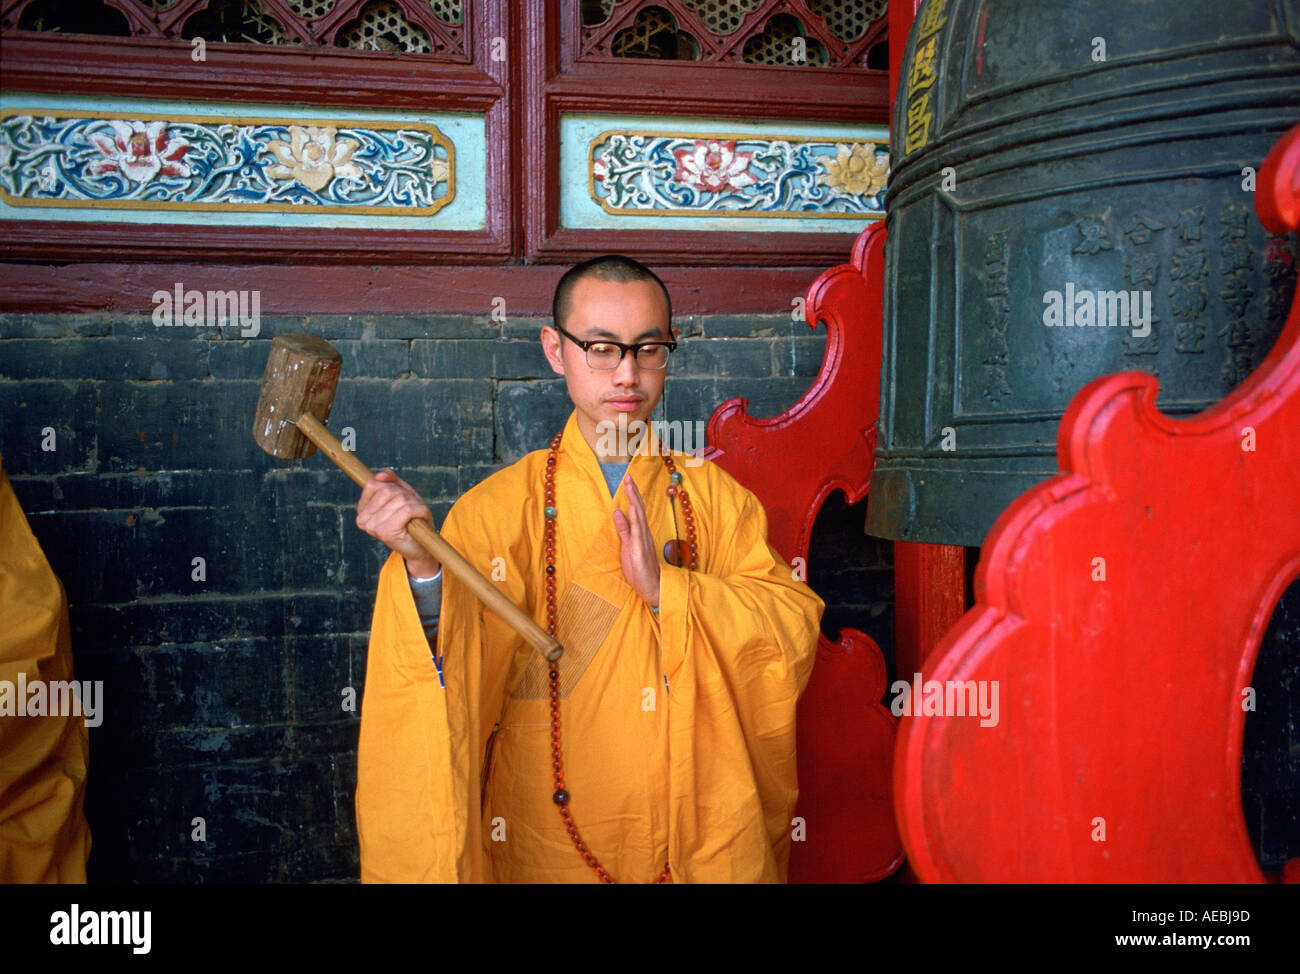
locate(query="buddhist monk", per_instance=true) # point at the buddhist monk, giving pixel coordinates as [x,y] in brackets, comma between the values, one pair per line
[44,748]
[661,746]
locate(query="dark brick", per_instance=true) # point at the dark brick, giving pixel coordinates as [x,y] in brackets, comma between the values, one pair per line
[403,327]
[248,807]
[345,790]
[380,358]
[321,667]
[95,554]
[313,480]
[853,573]
[195,426]
[848,586]
[239,359]
[1252,813]
[525,328]
[194,687]
[270,326]
[245,869]
[356,608]
[102,358]
[692,398]
[38,493]
[734,357]
[798,356]
[439,326]
[339,863]
[324,483]
[1279,825]
[528,415]
[31,406]
[689,326]
[227,685]
[331,736]
[243,549]
[144,326]
[54,325]
[207,618]
[315,528]
[139,488]
[333,326]
[439,483]
[746,326]
[417,422]
[480,359]
[171,747]
[364,556]
[471,474]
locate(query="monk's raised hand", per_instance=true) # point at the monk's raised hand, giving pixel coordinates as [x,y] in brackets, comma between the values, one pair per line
[387,505]
[637,545]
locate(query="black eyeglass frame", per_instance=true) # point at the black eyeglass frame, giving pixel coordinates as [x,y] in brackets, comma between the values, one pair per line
[622,349]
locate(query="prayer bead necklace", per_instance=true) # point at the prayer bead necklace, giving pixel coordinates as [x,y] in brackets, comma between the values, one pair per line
[672,554]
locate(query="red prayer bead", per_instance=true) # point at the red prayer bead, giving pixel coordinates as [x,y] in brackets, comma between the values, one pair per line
[561,796]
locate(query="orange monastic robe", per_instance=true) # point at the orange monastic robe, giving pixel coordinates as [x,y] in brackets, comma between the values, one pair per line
[43,833]
[677,729]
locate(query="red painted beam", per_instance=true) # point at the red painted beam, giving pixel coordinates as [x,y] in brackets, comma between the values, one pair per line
[284,289]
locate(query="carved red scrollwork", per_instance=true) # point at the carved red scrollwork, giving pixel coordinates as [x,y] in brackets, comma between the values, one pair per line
[792,462]
[1119,610]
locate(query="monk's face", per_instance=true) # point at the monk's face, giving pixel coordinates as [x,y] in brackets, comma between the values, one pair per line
[627,312]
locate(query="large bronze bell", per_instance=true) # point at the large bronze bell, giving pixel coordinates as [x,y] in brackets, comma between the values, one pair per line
[1072,195]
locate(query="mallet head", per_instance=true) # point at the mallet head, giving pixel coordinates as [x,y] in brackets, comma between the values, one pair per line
[302,373]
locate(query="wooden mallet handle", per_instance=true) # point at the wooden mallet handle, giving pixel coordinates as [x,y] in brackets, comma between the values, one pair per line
[431,542]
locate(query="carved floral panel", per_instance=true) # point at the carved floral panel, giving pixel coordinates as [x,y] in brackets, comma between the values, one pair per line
[737,176]
[90,159]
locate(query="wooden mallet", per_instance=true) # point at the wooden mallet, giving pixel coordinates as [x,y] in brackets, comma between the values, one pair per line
[297,392]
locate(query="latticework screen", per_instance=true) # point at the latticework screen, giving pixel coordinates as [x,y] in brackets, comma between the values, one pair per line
[791,33]
[417,27]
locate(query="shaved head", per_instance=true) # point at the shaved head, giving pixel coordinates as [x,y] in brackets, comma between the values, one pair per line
[611,267]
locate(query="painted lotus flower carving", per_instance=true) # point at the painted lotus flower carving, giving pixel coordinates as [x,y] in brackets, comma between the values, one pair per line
[186,162]
[854,171]
[314,157]
[713,166]
[140,152]
[694,173]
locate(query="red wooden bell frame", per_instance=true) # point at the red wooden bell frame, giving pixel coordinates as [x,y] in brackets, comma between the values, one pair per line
[844,825]
[1120,607]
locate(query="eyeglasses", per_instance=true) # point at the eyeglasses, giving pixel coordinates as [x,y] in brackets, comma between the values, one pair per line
[605,355]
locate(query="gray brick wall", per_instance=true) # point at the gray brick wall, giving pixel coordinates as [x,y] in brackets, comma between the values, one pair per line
[223,696]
